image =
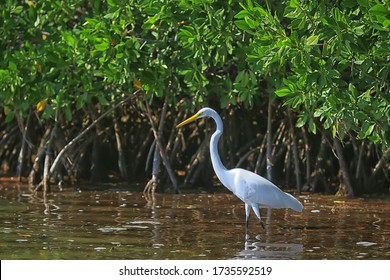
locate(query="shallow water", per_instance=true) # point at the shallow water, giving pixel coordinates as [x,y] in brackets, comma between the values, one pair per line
[117,224]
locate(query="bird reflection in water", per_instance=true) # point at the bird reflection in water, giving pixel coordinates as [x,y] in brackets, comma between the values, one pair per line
[256,249]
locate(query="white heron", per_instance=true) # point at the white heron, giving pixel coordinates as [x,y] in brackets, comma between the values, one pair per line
[254,190]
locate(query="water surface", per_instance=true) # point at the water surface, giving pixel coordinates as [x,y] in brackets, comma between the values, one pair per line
[117,224]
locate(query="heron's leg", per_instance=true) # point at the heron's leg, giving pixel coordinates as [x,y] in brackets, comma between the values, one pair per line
[256,209]
[247,213]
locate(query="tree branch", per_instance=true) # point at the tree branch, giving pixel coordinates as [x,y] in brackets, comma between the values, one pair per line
[78,137]
[161,148]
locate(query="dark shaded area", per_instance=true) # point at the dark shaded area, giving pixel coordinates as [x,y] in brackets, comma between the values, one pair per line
[95,157]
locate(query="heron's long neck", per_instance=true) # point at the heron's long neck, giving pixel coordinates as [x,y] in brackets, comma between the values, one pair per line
[218,166]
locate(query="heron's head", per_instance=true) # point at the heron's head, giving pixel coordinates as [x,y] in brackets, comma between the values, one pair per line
[204,112]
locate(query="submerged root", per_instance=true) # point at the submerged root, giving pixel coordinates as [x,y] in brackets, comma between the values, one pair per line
[149,192]
[150,187]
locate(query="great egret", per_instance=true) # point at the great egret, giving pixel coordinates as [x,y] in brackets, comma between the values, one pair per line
[254,190]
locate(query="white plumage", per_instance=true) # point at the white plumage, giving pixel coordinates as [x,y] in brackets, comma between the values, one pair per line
[254,190]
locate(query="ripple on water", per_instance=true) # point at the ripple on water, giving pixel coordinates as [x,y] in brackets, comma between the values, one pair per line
[366,243]
[192,226]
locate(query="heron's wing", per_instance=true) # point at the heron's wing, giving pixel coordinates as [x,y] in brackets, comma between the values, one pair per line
[256,189]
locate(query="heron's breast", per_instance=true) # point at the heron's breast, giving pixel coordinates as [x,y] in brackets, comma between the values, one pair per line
[242,189]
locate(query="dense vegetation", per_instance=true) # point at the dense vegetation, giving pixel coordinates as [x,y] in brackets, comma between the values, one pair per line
[93,90]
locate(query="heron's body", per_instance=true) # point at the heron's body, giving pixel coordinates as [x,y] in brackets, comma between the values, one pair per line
[254,190]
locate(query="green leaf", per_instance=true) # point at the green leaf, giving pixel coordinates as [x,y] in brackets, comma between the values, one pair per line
[80,102]
[102,46]
[363,3]
[294,3]
[251,23]
[301,120]
[68,113]
[328,122]
[312,40]
[103,100]
[242,24]
[366,130]
[261,12]
[69,39]
[17,10]
[319,112]
[374,138]
[370,129]
[378,10]
[12,66]
[359,30]
[112,3]
[242,14]
[186,32]
[110,15]
[312,126]
[10,116]
[283,92]
[361,116]
[334,131]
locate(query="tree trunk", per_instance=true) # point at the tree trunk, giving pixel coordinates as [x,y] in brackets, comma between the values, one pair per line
[155,180]
[287,166]
[141,152]
[382,165]
[32,177]
[197,163]
[295,154]
[119,148]
[46,176]
[307,154]
[96,170]
[269,139]
[318,172]
[260,157]
[167,165]
[174,137]
[21,157]
[345,188]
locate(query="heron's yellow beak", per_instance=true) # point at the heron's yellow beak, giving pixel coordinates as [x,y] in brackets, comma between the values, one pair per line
[190,119]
